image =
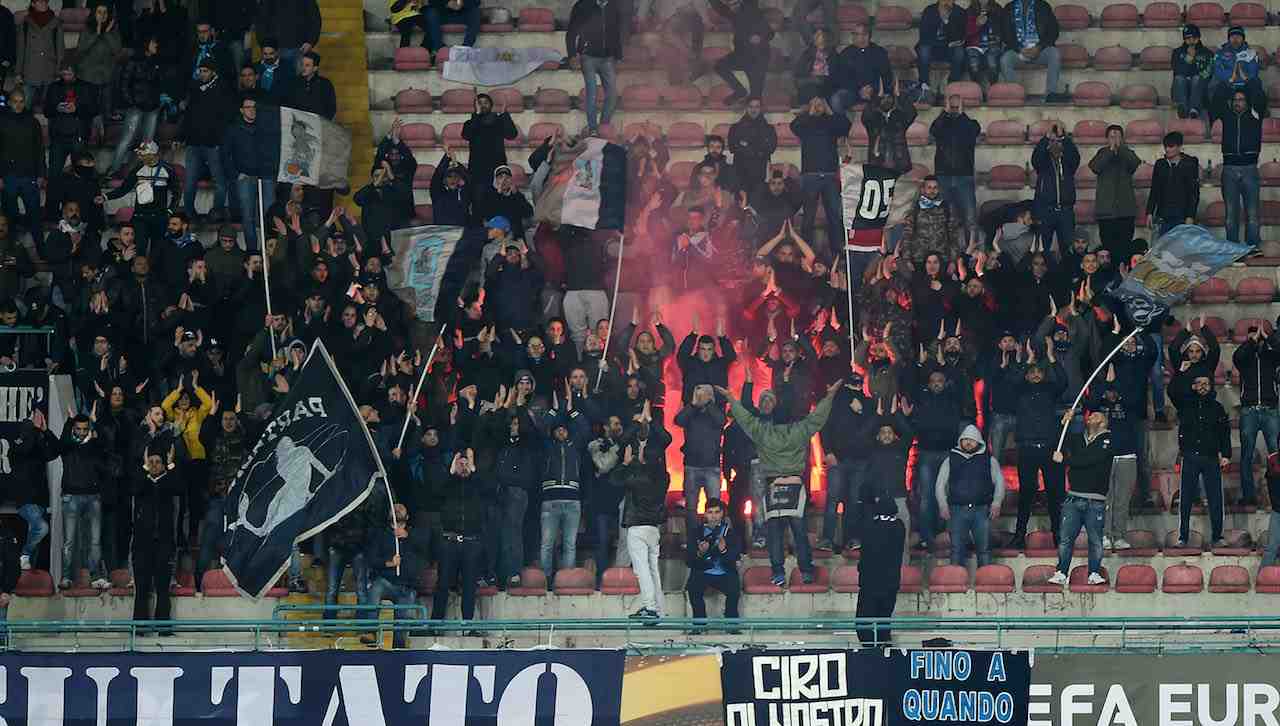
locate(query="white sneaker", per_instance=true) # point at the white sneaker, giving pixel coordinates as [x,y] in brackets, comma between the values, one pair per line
[1106,543]
[1058,578]
[1095,579]
[1123,544]
[101,584]
[24,562]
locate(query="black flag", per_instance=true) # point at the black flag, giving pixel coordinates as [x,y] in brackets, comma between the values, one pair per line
[314,463]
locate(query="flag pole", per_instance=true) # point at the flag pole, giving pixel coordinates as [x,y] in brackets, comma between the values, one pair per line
[1062,437]
[848,286]
[422,378]
[266,270]
[613,308]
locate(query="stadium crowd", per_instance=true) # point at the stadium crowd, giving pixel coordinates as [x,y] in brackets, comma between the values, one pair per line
[920,348]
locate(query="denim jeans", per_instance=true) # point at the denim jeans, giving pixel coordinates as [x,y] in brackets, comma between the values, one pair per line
[560,520]
[514,503]
[135,120]
[1189,93]
[437,19]
[247,191]
[926,54]
[961,191]
[982,67]
[926,478]
[382,589]
[37,528]
[970,523]
[607,70]
[844,484]
[210,536]
[1240,189]
[759,499]
[81,518]
[24,188]
[1195,467]
[858,264]
[642,543]
[458,559]
[998,430]
[1254,419]
[1060,221]
[198,159]
[824,186]
[1080,512]
[841,101]
[778,527]
[338,559]
[1049,58]
[699,479]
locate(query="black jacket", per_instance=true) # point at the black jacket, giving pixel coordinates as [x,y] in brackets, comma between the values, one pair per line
[487,134]
[8,36]
[211,109]
[818,136]
[1055,180]
[1089,463]
[748,22]
[846,432]
[514,206]
[1241,137]
[887,464]
[645,485]
[143,81]
[463,503]
[1256,363]
[21,145]
[703,427]
[880,567]
[70,126]
[1175,190]
[752,141]
[1038,420]
[449,206]
[83,464]
[383,209]
[694,371]
[956,137]
[153,509]
[594,30]
[857,67]
[727,560]
[932,30]
[1046,26]
[937,417]
[1203,427]
[290,22]
[314,94]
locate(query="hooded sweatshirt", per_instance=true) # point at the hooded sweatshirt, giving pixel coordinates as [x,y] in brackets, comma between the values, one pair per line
[970,479]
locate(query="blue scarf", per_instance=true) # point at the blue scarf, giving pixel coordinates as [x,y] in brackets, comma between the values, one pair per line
[927,203]
[1024,21]
[267,77]
[204,50]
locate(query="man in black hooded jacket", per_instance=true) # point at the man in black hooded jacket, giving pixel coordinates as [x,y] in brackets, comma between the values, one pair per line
[487,132]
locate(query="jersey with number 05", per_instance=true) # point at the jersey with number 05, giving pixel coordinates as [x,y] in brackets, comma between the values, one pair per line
[867,194]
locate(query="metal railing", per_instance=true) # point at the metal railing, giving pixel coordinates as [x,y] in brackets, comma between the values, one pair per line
[1045,634]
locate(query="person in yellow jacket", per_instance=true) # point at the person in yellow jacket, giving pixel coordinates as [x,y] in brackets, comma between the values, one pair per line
[187,418]
[406,15]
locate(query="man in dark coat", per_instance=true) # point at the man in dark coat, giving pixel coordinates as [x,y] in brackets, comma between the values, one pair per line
[295,24]
[311,91]
[752,140]
[486,133]
[880,568]
[211,108]
[155,492]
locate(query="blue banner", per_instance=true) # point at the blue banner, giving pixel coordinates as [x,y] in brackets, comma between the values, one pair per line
[1182,259]
[872,687]
[313,688]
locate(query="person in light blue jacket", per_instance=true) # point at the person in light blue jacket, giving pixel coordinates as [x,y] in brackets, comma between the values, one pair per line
[1236,66]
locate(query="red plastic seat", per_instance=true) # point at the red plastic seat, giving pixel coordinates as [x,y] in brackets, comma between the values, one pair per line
[1119,15]
[427,581]
[1071,17]
[901,57]
[1217,327]
[1229,578]
[74,20]
[620,581]
[969,91]
[845,578]
[785,136]
[918,134]
[1255,290]
[1035,578]
[1085,211]
[1136,579]
[776,101]
[422,214]
[1037,129]
[1270,130]
[1006,132]
[759,581]
[1006,95]
[1206,15]
[687,97]
[1113,58]
[1270,212]
[636,57]
[533,583]
[513,97]
[186,586]
[1249,15]
[34,583]
[1214,215]
[458,100]
[540,131]
[851,16]
[1142,177]
[912,579]
[686,135]
[1162,15]
[1078,581]
[411,59]
[713,53]
[1090,131]
[992,579]
[893,17]
[1073,55]
[1092,94]
[121,583]
[451,135]
[418,135]
[949,578]
[1194,546]
[552,100]
[821,581]
[641,97]
[678,173]
[422,176]
[124,214]
[1156,58]
[1213,290]
[1238,335]
[413,100]
[1007,176]
[1268,580]
[536,20]
[718,96]
[574,581]
[1139,95]
[214,583]
[1144,131]
[1192,129]
[1085,178]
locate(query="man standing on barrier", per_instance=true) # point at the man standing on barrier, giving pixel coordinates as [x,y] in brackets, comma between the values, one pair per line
[879,568]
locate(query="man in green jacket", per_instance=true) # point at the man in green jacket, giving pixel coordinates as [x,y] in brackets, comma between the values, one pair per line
[784,456]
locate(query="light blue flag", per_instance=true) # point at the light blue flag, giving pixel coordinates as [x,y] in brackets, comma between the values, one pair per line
[1185,257]
[420,257]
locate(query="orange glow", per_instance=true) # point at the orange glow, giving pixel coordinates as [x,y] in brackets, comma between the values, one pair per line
[746,509]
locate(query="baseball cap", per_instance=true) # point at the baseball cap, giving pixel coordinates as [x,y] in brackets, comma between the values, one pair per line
[498,222]
[503,169]
[228,231]
[188,335]
[1191,31]
[148,147]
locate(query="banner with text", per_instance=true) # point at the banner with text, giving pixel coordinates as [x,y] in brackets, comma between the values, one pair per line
[314,688]
[874,687]
[21,392]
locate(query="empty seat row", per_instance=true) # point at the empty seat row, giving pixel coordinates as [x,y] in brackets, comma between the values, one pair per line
[1247,290]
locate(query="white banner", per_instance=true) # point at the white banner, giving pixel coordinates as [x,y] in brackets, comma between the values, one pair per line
[495,66]
[313,150]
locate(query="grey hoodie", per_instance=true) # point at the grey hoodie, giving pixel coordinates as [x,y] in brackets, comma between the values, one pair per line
[944,471]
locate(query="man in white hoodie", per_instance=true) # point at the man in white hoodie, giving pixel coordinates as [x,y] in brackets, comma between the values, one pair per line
[970,489]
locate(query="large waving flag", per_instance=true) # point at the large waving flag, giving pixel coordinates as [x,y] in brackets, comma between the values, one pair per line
[421,257]
[314,463]
[583,184]
[313,150]
[495,66]
[1182,259]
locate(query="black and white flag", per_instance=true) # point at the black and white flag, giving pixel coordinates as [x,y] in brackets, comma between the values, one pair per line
[314,463]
